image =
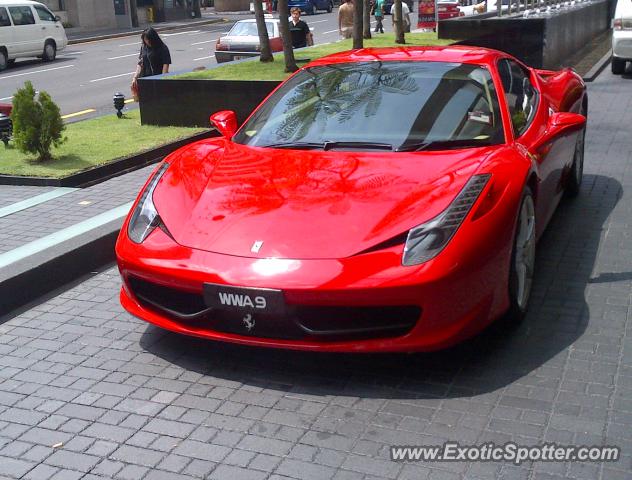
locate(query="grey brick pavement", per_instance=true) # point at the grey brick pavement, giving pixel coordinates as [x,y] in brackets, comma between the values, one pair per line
[88,392]
[49,217]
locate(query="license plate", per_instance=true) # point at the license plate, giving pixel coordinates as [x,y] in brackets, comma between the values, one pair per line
[244,299]
[239,57]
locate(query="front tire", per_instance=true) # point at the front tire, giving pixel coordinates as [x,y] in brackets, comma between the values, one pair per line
[330,7]
[4,62]
[313,10]
[50,52]
[577,169]
[522,259]
[618,65]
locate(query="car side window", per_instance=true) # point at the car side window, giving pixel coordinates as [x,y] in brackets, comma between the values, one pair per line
[22,15]
[521,96]
[44,14]
[4,18]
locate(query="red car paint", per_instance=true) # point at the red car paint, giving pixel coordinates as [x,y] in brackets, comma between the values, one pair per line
[446,10]
[326,242]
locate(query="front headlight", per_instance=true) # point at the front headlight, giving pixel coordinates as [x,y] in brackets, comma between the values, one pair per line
[145,217]
[428,239]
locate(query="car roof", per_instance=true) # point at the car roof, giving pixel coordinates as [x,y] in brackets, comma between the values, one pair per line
[19,2]
[624,7]
[448,53]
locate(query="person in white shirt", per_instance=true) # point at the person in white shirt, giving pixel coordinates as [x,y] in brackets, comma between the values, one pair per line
[405,15]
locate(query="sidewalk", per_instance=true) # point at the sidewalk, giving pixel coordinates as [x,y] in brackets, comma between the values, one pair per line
[209,16]
[88,392]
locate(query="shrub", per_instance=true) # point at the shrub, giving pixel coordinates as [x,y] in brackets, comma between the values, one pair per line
[37,124]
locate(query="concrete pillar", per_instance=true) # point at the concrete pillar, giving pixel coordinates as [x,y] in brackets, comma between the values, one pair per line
[91,14]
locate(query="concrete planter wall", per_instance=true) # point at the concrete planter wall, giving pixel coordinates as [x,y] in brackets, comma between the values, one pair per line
[539,42]
[189,103]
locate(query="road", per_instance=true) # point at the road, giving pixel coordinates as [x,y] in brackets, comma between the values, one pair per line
[84,77]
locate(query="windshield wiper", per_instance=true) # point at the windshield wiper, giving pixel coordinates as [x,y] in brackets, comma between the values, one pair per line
[443,145]
[368,145]
[327,145]
[297,145]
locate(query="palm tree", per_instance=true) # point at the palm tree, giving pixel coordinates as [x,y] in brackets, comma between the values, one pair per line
[366,23]
[284,26]
[398,22]
[358,19]
[264,40]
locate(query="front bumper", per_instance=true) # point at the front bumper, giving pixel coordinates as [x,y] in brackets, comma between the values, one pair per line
[229,56]
[367,303]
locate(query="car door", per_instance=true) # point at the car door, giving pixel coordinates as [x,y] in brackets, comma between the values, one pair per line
[6,32]
[523,101]
[27,36]
[49,27]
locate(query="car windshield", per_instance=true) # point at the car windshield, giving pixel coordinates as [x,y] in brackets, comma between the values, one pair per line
[387,105]
[249,29]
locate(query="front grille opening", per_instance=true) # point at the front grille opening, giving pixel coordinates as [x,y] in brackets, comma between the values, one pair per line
[357,322]
[169,299]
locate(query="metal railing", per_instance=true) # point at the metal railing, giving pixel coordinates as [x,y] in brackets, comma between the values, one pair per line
[534,7]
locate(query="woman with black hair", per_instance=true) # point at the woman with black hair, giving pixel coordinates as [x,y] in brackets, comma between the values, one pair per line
[154,57]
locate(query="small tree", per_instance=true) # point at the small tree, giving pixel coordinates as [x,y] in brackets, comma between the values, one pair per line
[284,27]
[366,20]
[358,28]
[264,40]
[398,22]
[37,124]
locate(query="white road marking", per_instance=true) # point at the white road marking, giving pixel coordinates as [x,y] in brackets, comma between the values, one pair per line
[319,21]
[67,54]
[331,31]
[129,44]
[179,33]
[124,56]
[202,58]
[35,71]
[113,76]
[200,43]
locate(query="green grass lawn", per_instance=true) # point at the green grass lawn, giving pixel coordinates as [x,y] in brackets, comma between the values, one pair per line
[274,70]
[93,142]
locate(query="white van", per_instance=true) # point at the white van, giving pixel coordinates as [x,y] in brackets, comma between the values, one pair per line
[29,29]
[622,36]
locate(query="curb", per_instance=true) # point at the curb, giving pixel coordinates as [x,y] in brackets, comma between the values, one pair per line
[131,33]
[597,68]
[33,277]
[109,170]
[29,279]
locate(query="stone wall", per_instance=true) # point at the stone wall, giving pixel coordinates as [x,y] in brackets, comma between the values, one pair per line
[542,42]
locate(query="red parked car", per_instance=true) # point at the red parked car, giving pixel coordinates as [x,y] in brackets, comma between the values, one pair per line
[448,10]
[242,41]
[378,200]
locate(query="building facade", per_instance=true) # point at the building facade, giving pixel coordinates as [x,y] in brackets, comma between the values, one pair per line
[86,15]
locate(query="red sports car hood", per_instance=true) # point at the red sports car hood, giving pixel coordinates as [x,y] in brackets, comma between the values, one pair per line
[223,197]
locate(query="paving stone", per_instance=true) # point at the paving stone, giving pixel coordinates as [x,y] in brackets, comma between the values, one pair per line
[131,401]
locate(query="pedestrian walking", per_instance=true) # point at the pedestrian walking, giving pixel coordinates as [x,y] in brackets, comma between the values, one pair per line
[345,19]
[378,13]
[299,30]
[154,58]
[405,16]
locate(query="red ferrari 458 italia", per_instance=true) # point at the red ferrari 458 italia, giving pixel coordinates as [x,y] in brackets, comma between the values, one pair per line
[378,200]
